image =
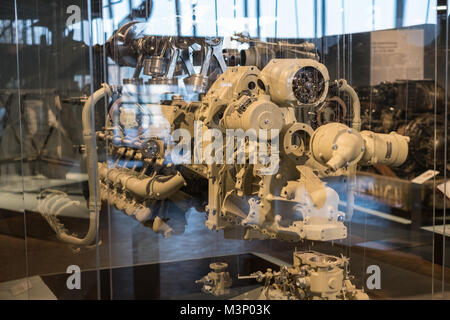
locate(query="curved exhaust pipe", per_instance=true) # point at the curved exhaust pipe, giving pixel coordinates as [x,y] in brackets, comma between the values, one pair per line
[91,161]
[156,188]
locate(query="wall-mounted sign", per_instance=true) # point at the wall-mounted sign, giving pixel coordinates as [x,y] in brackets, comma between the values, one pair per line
[396,55]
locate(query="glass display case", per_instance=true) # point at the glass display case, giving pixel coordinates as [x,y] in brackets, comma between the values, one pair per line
[245,149]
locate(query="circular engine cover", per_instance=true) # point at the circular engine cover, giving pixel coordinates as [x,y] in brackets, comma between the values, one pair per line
[297,82]
[259,114]
[308,85]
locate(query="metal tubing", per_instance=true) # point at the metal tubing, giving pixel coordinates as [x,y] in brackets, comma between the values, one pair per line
[157,188]
[344,87]
[91,159]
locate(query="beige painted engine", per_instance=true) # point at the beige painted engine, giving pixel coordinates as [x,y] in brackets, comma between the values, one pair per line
[246,153]
[263,164]
[250,140]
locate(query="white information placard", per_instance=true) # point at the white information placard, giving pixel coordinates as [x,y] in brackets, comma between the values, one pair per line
[396,55]
[427,175]
[445,190]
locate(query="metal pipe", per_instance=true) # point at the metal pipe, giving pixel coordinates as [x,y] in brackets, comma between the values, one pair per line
[91,159]
[356,125]
[51,207]
[157,188]
[344,87]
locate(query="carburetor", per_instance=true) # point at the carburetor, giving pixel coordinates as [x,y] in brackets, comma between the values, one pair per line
[313,276]
[218,281]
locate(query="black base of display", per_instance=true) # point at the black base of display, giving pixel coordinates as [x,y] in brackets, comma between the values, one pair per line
[169,280]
